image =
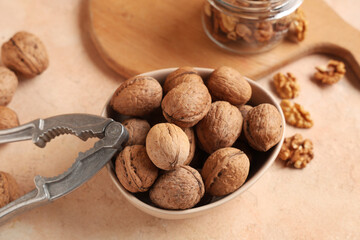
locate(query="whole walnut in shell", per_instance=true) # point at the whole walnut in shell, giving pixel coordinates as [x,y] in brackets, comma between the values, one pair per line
[137,96]
[181,75]
[191,135]
[25,54]
[220,127]
[8,118]
[8,85]
[227,84]
[186,104]
[181,188]
[134,169]
[263,127]
[9,189]
[244,109]
[137,129]
[167,146]
[225,171]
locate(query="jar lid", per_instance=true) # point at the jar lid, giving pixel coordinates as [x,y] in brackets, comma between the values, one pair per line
[257,9]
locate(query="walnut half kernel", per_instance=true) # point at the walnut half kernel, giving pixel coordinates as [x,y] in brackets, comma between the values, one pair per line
[330,74]
[286,85]
[296,151]
[296,115]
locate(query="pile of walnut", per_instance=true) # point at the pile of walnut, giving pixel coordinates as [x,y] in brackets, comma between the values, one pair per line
[295,151]
[25,55]
[198,126]
[226,28]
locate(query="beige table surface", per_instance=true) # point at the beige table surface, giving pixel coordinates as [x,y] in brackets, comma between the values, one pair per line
[284,204]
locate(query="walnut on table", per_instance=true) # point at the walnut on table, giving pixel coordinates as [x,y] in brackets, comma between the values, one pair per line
[8,118]
[298,27]
[296,115]
[296,151]
[331,73]
[9,189]
[8,85]
[286,85]
[25,54]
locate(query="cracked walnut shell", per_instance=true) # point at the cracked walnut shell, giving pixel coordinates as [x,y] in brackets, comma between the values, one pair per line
[296,115]
[220,127]
[134,169]
[263,127]
[286,85]
[181,188]
[181,75]
[8,85]
[8,118]
[9,189]
[225,171]
[331,73]
[186,104]
[167,146]
[137,96]
[227,84]
[25,54]
[296,151]
[137,129]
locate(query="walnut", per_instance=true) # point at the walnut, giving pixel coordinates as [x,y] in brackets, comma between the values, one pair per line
[167,146]
[134,169]
[220,127]
[9,189]
[25,54]
[137,96]
[286,86]
[263,127]
[181,188]
[263,31]
[298,27]
[227,84]
[8,118]
[296,151]
[137,129]
[296,115]
[207,9]
[331,73]
[244,32]
[227,23]
[8,85]
[244,109]
[186,104]
[181,75]
[225,171]
[191,136]
[232,36]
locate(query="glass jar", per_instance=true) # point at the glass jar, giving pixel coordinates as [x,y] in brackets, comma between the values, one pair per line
[248,26]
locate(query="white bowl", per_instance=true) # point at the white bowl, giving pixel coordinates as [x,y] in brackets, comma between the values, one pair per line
[258,166]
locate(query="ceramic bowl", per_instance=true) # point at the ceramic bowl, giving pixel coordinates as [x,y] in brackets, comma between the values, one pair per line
[258,166]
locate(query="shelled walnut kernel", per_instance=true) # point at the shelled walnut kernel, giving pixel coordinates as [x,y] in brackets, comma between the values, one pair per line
[331,73]
[296,151]
[296,115]
[298,27]
[286,85]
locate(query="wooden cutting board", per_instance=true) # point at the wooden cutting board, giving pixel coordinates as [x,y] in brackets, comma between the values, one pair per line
[139,36]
